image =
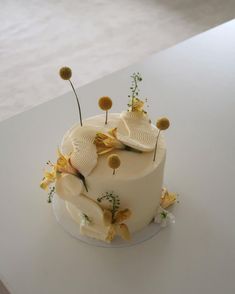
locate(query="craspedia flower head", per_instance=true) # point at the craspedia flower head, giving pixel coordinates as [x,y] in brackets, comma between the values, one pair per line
[163,123]
[105,103]
[65,73]
[114,161]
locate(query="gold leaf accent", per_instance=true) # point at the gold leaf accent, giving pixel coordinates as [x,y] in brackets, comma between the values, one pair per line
[107,142]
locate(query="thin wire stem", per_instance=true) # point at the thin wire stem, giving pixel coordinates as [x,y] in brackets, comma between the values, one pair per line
[155,150]
[106,117]
[79,108]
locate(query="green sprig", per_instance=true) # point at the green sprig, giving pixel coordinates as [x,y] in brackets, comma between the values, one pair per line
[136,78]
[113,200]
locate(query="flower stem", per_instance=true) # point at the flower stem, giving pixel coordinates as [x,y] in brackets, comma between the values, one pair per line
[79,108]
[106,117]
[155,150]
[114,172]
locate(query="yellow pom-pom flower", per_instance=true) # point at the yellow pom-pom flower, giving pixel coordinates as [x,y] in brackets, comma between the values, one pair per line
[65,73]
[105,103]
[163,123]
[114,162]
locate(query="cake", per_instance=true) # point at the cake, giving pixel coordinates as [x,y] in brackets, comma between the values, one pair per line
[110,171]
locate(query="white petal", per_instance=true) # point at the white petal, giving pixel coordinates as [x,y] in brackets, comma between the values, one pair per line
[82,151]
[68,187]
[85,159]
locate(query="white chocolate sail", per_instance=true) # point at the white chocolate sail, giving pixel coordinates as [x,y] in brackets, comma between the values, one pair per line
[135,130]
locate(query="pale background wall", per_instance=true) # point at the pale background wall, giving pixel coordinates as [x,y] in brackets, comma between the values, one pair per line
[94,37]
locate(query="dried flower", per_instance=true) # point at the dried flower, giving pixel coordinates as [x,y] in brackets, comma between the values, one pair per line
[137,105]
[111,233]
[163,123]
[114,217]
[65,73]
[105,103]
[167,198]
[164,217]
[124,232]
[62,165]
[114,162]
[107,142]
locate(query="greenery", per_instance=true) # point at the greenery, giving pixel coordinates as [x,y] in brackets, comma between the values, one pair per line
[51,194]
[136,77]
[113,200]
[163,214]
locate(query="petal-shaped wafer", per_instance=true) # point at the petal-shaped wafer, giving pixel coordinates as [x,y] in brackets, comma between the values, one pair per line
[135,130]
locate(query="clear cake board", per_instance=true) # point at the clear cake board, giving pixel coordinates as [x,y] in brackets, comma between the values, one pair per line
[64,219]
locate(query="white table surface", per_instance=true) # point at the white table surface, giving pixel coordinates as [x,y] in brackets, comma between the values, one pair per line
[194,85]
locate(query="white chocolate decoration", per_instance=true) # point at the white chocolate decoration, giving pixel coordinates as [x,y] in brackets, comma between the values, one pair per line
[135,130]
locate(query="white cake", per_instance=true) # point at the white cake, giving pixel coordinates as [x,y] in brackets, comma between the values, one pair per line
[137,182]
[109,170]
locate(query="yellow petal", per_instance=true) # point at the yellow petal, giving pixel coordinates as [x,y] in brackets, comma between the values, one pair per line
[111,234]
[113,132]
[44,184]
[50,176]
[101,151]
[107,217]
[124,232]
[122,215]
[168,199]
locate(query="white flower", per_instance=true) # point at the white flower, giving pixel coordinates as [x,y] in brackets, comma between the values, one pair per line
[164,217]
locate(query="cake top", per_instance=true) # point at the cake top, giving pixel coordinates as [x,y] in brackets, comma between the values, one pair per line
[134,163]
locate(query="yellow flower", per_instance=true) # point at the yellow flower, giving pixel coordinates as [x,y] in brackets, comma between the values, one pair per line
[138,105]
[163,123]
[122,215]
[49,178]
[62,165]
[167,198]
[116,225]
[105,103]
[65,73]
[107,142]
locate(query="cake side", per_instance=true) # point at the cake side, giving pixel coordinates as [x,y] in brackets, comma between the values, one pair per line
[138,181]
